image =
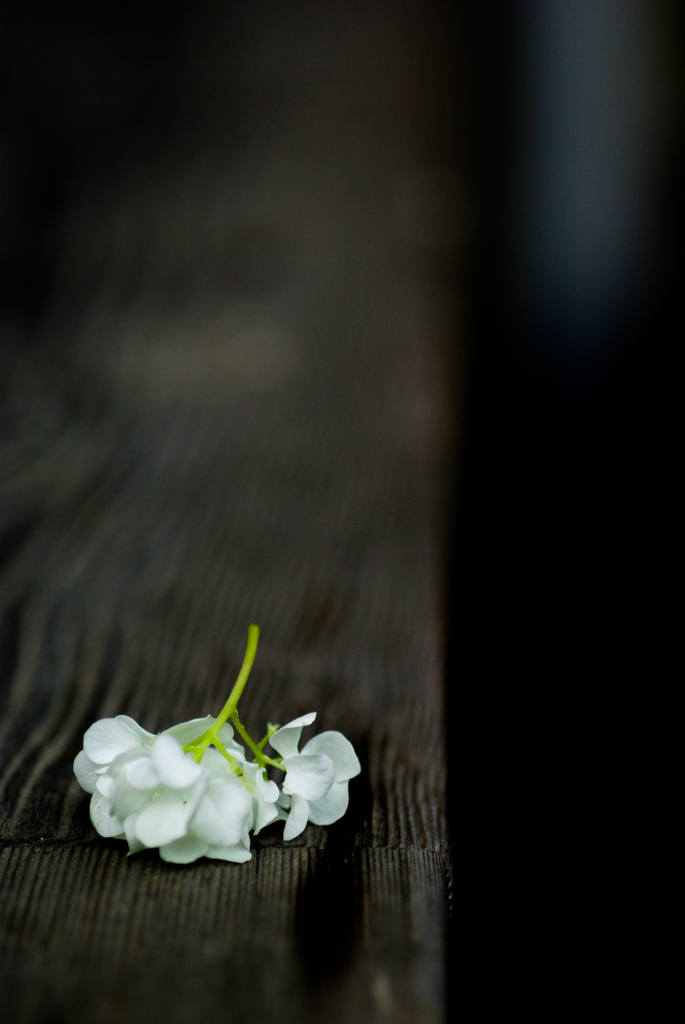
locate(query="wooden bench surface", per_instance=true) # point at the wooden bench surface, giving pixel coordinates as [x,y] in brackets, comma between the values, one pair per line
[235,406]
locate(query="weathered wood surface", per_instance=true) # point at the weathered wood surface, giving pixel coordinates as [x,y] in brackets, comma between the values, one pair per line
[235,407]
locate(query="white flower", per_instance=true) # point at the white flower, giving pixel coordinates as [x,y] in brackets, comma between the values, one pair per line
[265,793]
[215,817]
[147,790]
[316,779]
[151,790]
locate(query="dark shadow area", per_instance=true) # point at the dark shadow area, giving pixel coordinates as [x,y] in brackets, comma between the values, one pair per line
[75,79]
[328,917]
[564,538]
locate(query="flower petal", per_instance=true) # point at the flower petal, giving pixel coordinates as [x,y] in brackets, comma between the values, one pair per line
[143,735]
[141,774]
[216,764]
[186,732]
[264,797]
[134,844]
[264,815]
[108,738]
[238,854]
[106,785]
[340,751]
[184,850]
[285,740]
[221,815]
[85,771]
[228,739]
[164,818]
[268,790]
[129,801]
[297,819]
[309,775]
[174,768]
[332,806]
[103,817]
[284,802]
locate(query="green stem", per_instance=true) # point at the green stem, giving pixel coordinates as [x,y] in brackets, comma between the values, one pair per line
[192,746]
[232,702]
[231,760]
[265,739]
[260,756]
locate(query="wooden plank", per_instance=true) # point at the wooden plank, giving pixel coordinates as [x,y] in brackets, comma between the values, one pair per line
[235,409]
[310,933]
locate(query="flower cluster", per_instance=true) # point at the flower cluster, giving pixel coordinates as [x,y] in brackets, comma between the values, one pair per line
[192,791]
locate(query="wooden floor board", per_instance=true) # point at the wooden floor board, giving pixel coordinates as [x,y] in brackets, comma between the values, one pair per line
[236,406]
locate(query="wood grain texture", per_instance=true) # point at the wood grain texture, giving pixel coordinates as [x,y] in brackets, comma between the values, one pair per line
[235,408]
[94,940]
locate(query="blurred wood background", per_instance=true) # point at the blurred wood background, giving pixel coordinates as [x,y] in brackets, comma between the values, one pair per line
[230,396]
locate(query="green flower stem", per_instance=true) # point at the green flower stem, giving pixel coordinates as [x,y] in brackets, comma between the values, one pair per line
[190,747]
[265,739]
[260,756]
[231,760]
[232,702]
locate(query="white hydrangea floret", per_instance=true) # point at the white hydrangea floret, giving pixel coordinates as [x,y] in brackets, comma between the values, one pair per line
[147,790]
[265,794]
[317,778]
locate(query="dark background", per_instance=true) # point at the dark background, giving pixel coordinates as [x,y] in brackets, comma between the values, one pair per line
[565,544]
